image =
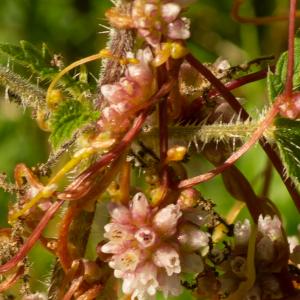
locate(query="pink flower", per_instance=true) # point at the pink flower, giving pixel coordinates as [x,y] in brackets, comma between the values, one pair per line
[137,86]
[155,19]
[150,248]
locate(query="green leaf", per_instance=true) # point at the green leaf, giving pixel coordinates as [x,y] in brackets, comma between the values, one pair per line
[28,56]
[39,62]
[275,85]
[287,136]
[276,81]
[70,116]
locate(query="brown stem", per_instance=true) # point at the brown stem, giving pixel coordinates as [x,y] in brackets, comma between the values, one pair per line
[238,108]
[254,20]
[267,180]
[291,51]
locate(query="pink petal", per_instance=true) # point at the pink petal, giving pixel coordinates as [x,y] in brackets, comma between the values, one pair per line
[165,220]
[140,208]
[179,30]
[119,213]
[113,93]
[170,11]
[192,238]
[168,258]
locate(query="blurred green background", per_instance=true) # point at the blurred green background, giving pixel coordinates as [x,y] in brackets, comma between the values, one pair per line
[71,28]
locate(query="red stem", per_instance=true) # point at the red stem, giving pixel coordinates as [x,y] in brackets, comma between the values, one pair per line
[291,51]
[12,279]
[62,251]
[236,155]
[84,177]
[35,235]
[163,139]
[238,108]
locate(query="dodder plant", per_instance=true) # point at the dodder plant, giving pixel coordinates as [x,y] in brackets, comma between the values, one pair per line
[154,105]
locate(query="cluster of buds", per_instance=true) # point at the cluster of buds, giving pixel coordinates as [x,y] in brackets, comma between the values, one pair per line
[150,247]
[124,96]
[157,18]
[270,257]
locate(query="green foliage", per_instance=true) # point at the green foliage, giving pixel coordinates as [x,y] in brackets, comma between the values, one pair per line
[287,135]
[277,80]
[70,116]
[40,63]
[27,55]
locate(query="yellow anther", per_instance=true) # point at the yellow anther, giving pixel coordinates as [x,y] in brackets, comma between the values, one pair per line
[133,61]
[178,50]
[176,153]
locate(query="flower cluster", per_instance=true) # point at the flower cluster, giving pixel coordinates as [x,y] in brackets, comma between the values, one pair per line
[269,252]
[151,247]
[133,89]
[156,18]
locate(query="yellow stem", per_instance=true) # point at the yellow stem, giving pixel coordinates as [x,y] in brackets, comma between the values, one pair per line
[52,185]
[245,286]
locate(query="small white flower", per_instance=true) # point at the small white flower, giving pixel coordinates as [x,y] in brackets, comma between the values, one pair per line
[36,296]
[167,257]
[242,231]
[165,221]
[149,247]
[270,227]
[191,238]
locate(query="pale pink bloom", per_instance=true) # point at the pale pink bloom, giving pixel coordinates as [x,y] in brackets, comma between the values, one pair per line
[191,238]
[157,19]
[165,221]
[149,247]
[170,11]
[136,87]
[270,227]
[168,258]
[242,231]
[36,296]
[179,29]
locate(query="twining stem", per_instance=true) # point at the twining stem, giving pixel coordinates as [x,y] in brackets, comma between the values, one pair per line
[12,279]
[291,51]
[235,13]
[35,235]
[238,108]
[163,140]
[236,155]
[85,176]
